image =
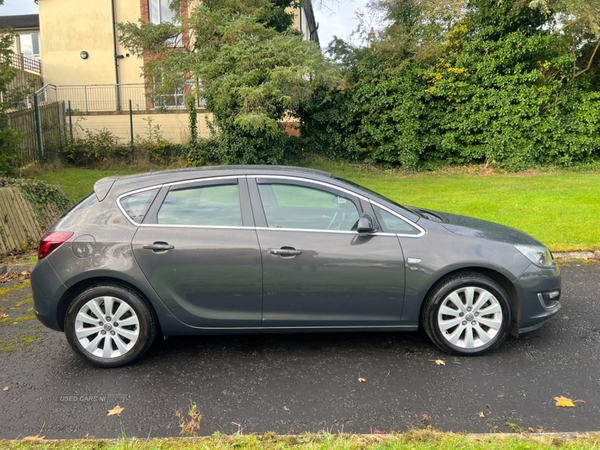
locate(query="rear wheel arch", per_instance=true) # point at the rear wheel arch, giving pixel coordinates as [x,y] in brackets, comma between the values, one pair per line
[83,285]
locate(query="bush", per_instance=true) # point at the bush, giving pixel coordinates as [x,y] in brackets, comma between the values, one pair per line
[94,148]
[501,89]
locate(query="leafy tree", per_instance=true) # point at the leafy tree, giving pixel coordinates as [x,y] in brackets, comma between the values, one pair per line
[495,82]
[253,69]
[9,137]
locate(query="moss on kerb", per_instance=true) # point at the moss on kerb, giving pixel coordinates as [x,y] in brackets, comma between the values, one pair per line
[20,329]
[17,287]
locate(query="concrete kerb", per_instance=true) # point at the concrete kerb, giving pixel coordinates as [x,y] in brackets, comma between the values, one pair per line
[567,436]
[15,268]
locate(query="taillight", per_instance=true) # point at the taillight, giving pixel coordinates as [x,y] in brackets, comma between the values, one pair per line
[51,241]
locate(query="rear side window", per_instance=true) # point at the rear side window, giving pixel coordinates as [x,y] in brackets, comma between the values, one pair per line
[393,223]
[136,205]
[202,206]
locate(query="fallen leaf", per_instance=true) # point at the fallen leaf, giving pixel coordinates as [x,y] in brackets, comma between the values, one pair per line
[34,438]
[481,414]
[362,380]
[531,430]
[3,315]
[6,389]
[26,272]
[564,402]
[88,436]
[116,411]
[439,362]
[379,432]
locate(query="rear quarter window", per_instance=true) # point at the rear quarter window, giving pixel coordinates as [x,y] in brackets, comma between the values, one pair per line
[136,205]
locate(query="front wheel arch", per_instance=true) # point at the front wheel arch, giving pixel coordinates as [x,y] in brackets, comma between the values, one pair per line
[502,280]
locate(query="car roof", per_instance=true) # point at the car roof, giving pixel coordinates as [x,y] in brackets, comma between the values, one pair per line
[124,183]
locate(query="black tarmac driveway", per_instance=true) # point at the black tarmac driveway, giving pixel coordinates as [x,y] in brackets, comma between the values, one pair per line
[305,382]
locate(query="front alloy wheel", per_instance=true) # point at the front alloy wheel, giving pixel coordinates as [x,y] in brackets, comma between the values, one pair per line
[109,325]
[467,315]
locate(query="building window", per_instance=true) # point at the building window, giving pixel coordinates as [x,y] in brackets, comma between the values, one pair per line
[160,12]
[173,99]
[29,45]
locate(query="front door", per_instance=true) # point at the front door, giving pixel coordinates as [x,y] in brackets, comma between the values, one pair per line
[198,249]
[317,270]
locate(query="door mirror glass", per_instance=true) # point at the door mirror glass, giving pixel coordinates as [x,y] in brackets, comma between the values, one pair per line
[367,224]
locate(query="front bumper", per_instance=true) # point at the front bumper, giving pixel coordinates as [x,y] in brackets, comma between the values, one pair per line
[47,291]
[539,290]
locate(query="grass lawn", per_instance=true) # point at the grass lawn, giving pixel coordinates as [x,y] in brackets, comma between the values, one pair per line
[561,209]
[413,440]
[76,182]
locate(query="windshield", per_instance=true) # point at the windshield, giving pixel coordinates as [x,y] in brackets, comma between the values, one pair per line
[380,196]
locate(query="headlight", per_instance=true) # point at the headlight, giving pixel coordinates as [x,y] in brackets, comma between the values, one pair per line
[537,254]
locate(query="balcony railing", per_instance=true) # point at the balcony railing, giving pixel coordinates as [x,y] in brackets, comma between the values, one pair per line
[112,97]
[24,63]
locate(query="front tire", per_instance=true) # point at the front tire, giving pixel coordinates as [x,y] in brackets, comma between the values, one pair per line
[468,314]
[110,325]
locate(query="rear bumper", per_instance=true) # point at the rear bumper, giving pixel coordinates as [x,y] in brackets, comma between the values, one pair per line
[47,290]
[539,290]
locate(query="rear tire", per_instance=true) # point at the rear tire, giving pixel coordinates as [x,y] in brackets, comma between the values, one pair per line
[110,325]
[467,314]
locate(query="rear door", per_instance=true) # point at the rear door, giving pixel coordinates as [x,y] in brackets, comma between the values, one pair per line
[198,249]
[317,270]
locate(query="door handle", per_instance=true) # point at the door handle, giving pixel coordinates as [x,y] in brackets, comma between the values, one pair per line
[286,251]
[159,247]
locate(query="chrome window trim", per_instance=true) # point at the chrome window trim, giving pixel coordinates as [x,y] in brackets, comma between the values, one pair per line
[227,227]
[309,180]
[197,180]
[281,177]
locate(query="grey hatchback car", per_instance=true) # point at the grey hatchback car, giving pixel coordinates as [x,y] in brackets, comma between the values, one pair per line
[255,249]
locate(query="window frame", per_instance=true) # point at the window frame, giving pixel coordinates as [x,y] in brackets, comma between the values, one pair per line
[33,55]
[177,41]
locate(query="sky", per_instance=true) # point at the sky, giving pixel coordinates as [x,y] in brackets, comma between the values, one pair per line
[338,18]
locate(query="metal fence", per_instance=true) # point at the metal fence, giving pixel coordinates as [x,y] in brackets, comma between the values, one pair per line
[113,97]
[51,129]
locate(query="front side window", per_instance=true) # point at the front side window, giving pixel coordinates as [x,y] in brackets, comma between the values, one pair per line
[202,206]
[394,224]
[301,207]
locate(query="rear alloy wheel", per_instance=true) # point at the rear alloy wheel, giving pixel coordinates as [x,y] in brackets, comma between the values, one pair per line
[110,325]
[467,315]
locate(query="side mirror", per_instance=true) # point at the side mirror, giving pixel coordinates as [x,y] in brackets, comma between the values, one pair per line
[367,224]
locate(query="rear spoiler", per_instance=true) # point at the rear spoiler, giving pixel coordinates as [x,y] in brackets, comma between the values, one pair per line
[102,187]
